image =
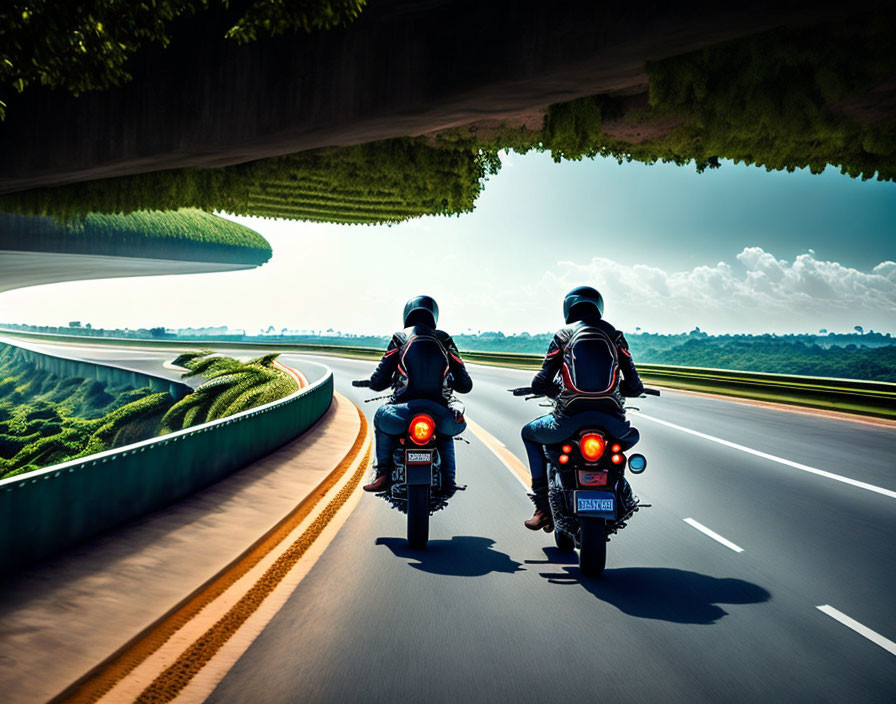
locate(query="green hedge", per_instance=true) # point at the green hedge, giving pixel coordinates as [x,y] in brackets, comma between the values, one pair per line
[232,386]
[399,178]
[192,235]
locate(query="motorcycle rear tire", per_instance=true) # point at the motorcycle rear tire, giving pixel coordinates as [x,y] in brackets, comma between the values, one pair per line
[418,516]
[563,541]
[593,547]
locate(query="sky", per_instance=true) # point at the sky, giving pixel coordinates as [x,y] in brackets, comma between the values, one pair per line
[736,249]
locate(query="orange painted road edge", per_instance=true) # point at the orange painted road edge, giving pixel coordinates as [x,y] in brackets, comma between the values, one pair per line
[300,378]
[96,683]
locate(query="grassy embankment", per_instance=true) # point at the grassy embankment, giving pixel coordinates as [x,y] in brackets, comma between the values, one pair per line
[45,419]
[190,235]
[782,100]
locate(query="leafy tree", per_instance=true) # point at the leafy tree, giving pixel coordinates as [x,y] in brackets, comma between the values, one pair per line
[85,45]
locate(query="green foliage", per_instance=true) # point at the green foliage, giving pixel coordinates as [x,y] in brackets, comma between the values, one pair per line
[55,420]
[783,100]
[82,46]
[781,356]
[232,386]
[381,182]
[45,420]
[184,235]
[273,17]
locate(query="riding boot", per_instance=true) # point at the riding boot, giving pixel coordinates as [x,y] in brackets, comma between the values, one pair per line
[542,519]
[381,483]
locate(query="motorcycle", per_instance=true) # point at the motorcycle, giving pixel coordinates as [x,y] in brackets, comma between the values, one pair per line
[589,499]
[416,487]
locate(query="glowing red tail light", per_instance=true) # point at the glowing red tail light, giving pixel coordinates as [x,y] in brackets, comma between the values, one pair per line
[592,446]
[563,459]
[616,448]
[617,459]
[421,429]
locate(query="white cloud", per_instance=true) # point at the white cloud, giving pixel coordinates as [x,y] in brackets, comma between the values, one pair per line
[365,288]
[759,294]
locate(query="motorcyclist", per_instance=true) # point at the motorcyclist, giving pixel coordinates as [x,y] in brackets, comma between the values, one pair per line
[581,372]
[424,369]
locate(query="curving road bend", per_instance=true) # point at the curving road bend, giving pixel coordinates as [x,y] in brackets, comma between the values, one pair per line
[787,512]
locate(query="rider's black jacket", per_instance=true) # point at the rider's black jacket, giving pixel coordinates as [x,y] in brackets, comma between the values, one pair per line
[553,382]
[421,363]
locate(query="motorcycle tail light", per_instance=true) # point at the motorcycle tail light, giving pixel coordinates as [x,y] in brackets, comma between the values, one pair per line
[617,459]
[564,459]
[616,448]
[421,429]
[567,449]
[587,478]
[592,446]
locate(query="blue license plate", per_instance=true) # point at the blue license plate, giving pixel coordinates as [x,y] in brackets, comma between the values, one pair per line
[588,504]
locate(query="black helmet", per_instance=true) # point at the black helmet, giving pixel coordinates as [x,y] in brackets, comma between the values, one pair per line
[585,300]
[421,310]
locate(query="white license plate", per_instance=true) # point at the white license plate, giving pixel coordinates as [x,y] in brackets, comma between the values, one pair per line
[584,504]
[419,457]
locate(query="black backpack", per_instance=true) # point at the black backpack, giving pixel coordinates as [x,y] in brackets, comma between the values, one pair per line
[423,362]
[590,363]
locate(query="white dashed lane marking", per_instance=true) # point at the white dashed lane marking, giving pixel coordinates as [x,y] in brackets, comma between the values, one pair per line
[712,534]
[873,636]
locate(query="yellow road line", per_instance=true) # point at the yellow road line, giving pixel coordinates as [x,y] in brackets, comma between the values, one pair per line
[167,685]
[508,459]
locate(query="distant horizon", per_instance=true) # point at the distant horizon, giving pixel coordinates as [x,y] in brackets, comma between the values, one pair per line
[732,250]
[311,332]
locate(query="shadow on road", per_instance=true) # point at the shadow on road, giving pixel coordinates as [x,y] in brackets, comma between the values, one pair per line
[555,556]
[665,594]
[462,556]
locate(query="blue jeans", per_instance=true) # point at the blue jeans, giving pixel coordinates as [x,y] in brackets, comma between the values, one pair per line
[548,430]
[391,422]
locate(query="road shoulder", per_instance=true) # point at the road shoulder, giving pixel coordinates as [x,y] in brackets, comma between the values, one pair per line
[64,618]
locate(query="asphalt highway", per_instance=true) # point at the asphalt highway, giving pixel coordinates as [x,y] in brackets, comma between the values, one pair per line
[492,612]
[763,571]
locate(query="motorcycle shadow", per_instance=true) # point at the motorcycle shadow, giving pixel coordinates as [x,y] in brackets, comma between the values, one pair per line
[462,556]
[665,594]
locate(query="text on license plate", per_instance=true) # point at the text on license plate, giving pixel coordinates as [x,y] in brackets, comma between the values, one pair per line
[419,457]
[585,504]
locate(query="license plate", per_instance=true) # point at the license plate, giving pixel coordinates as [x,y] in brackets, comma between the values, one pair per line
[419,456]
[585,504]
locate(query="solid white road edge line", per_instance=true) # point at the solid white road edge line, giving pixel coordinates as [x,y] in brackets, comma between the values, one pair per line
[874,637]
[712,534]
[773,458]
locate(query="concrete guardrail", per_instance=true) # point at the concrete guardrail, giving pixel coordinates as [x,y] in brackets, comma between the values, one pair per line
[47,510]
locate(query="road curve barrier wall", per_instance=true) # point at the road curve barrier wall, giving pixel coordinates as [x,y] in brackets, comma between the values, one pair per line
[48,510]
[114,376]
